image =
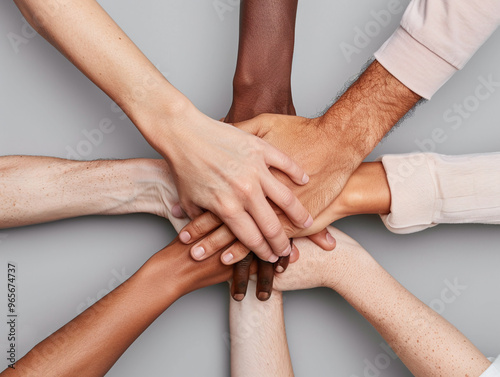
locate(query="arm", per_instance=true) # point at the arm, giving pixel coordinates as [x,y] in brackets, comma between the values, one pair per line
[41,189]
[233,183]
[425,341]
[262,81]
[435,40]
[257,335]
[91,343]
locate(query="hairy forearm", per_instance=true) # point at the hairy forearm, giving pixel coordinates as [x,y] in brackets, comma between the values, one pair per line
[368,110]
[257,335]
[261,82]
[95,44]
[41,189]
[426,343]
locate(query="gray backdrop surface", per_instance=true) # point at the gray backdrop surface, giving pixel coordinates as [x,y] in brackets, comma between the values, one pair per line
[64,266]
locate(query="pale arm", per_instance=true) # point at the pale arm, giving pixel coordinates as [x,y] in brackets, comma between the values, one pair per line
[233,183]
[426,343]
[42,189]
[258,338]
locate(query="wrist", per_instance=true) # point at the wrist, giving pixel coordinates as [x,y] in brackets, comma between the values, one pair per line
[158,113]
[366,192]
[151,187]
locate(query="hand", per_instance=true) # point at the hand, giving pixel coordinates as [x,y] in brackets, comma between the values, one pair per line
[234,182]
[320,268]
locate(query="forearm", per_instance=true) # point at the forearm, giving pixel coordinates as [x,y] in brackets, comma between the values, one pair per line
[426,343]
[41,189]
[95,44]
[367,111]
[91,343]
[262,79]
[257,334]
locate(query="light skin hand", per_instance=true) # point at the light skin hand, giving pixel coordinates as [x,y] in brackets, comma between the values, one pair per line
[424,341]
[92,342]
[331,147]
[366,192]
[233,183]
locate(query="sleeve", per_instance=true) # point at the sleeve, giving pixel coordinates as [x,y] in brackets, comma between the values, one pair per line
[435,39]
[493,370]
[429,189]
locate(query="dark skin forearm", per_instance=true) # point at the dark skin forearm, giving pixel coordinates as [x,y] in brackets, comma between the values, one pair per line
[262,79]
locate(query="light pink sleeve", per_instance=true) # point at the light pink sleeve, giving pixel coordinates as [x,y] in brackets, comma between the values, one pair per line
[429,189]
[435,39]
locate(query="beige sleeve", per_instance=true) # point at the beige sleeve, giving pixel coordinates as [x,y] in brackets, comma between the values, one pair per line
[429,189]
[435,39]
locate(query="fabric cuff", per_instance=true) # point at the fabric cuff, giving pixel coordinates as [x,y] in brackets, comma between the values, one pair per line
[413,193]
[417,67]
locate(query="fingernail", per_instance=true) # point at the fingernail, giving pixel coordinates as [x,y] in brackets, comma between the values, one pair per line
[198,252]
[279,269]
[330,239]
[238,296]
[226,258]
[263,296]
[184,236]
[273,258]
[287,251]
[309,222]
[305,178]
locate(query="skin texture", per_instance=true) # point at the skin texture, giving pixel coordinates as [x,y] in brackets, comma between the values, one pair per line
[91,343]
[426,343]
[233,183]
[342,138]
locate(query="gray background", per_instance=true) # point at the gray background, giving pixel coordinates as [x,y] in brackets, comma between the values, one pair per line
[46,103]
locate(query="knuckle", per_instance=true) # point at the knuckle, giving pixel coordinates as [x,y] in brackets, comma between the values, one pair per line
[256,242]
[265,281]
[273,230]
[287,197]
[229,210]
[197,227]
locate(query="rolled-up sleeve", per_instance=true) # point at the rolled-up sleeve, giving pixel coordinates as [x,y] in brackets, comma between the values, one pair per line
[435,39]
[429,189]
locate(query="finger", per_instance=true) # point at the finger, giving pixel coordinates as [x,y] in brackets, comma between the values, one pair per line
[324,240]
[191,210]
[284,198]
[245,229]
[265,277]
[270,226]
[281,161]
[241,274]
[234,253]
[199,227]
[177,211]
[295,254]
[219,239]
[281,265]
